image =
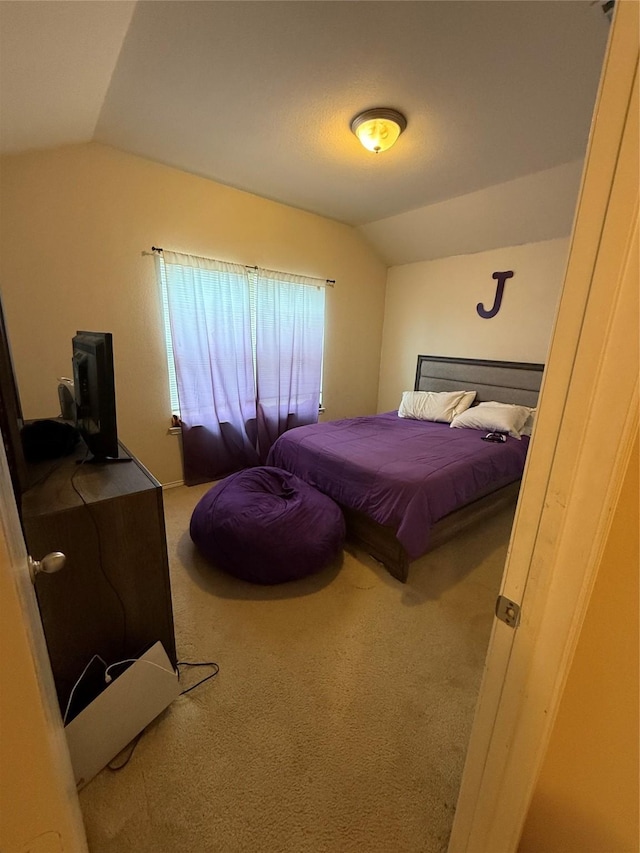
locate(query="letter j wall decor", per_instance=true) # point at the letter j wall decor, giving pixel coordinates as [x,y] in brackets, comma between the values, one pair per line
[501,277]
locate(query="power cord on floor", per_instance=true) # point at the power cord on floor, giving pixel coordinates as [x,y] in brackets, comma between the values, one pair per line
[134,743]
[132,748]
[216,670]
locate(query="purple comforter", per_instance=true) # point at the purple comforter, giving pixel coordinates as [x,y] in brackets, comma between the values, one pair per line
[404,473]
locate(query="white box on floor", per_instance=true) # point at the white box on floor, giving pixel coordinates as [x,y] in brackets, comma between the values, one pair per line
[120,712]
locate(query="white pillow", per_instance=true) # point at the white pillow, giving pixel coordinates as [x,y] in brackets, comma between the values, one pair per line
[494,417]
[527,429]
[440,406]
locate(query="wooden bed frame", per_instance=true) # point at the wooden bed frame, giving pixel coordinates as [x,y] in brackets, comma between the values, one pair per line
[503,381]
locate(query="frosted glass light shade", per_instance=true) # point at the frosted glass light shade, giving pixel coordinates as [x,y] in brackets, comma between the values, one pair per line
[378,129]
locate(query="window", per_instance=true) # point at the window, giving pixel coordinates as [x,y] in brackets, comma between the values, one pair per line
[244,348]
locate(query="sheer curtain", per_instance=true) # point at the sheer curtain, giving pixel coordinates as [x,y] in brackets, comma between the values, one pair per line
[247,347]
[289,324]
[210,322]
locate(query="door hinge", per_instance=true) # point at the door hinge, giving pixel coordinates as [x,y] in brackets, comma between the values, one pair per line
[508,611]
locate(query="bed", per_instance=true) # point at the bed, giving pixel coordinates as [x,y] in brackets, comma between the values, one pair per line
[405,484]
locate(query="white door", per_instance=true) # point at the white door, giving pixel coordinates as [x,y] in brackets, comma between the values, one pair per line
[40,811]
[588,417]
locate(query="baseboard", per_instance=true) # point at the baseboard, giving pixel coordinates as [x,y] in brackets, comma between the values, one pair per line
[172,485]
[120,712]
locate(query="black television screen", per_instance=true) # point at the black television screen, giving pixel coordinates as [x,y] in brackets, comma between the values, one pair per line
[95,396]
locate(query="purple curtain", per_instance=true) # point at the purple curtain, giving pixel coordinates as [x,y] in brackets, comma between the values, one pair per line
[247,349]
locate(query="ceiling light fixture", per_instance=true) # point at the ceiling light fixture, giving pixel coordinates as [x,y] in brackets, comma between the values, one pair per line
[379,128]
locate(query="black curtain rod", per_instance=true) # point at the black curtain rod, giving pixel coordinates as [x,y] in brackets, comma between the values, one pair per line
[249,267]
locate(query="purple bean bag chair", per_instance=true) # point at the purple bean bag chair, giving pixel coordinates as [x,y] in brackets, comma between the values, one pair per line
[267,526]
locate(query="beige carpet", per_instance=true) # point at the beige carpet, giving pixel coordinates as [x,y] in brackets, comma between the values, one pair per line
[340,716]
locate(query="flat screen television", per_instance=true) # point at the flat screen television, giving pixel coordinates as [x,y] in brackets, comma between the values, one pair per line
[95,395]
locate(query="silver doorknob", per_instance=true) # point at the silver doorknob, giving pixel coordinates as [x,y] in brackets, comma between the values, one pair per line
[48,565]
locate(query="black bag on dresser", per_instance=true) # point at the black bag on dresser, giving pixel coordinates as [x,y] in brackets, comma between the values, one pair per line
[48,439]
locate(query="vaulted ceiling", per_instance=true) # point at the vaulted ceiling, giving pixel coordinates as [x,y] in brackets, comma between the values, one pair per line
[260,95]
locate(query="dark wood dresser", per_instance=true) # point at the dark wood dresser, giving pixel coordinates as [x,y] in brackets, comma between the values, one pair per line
[113,596]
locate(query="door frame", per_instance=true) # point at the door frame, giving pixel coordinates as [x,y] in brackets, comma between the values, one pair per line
[573,476]
[41,807]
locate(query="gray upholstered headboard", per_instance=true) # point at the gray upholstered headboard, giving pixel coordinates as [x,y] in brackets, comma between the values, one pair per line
[503,381]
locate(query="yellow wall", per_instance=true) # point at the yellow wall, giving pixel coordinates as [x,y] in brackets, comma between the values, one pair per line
[431,309]
[586,799]
[74,222]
